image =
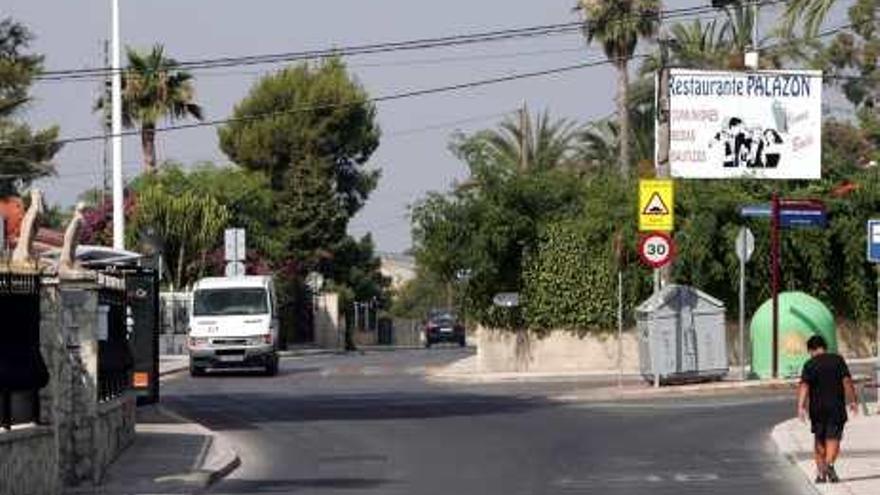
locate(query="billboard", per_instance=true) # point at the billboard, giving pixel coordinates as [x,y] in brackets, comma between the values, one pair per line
[762,125]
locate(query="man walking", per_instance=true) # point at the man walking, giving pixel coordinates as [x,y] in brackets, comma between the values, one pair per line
[827,386]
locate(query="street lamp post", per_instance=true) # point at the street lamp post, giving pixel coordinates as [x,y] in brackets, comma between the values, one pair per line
[116,130]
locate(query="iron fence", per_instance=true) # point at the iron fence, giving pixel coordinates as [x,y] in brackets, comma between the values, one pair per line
[174,309]
[115,360]
[22,369]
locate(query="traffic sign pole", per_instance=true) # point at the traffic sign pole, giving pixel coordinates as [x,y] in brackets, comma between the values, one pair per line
[742,313]
[745,247]
[774,277]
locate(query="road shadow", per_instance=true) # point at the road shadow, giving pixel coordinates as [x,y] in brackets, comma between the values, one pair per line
[256,372]
[247,410]
[307,485]
[859,478]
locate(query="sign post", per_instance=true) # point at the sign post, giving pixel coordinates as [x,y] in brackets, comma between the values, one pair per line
[656,212]
[774,278]
[874,257]
[235,252]
[745,247]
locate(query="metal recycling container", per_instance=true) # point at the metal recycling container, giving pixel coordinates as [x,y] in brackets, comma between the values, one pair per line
[682,336]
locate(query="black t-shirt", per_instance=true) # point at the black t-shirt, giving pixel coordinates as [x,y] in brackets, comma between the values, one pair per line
[824,375]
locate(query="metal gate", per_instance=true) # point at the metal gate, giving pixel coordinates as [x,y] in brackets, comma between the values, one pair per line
[22,369]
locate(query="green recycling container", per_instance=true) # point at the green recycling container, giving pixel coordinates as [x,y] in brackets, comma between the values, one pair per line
[800,317]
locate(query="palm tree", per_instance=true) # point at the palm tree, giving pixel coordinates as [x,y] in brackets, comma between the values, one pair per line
[811,12]
[736,36]
[618,25]
[598,143]
[527,143]
[153,88]
[696,45]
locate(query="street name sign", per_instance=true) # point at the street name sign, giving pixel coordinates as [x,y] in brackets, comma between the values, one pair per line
[792,213]
[656,205]
[506,299]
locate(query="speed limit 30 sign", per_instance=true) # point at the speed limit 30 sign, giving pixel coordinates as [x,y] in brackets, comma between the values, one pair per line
[656,249]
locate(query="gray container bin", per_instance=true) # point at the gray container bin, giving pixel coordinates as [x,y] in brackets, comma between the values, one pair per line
[682,336]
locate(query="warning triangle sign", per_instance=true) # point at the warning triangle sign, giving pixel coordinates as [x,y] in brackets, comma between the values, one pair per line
[656,206]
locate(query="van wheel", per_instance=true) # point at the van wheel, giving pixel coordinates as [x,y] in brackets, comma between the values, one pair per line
[272,367]
[196,370]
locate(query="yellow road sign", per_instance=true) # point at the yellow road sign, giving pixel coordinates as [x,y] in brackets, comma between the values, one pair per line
[656,205]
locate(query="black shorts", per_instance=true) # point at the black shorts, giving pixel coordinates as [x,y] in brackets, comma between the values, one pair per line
[828,429]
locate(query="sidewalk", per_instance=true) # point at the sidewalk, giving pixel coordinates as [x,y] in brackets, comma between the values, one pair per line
[172,364]
[465,371]
[859,464]
[170,455]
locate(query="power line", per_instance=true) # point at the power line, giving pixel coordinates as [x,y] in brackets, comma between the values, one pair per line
[379,99]
[395,63]
[133,166]
[386,47]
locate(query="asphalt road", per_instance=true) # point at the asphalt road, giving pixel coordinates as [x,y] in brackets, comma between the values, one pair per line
[370,424]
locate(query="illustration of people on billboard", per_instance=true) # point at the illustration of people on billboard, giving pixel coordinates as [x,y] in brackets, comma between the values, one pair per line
[750,147]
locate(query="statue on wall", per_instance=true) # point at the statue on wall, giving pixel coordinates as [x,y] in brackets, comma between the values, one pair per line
[23,255]
[68,267]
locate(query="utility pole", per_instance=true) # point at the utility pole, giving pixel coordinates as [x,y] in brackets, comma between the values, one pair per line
[116,130]
[753,58]
[523,143]
[105,126]
[662,276]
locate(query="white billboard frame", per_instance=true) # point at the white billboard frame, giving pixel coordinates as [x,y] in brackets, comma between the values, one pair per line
[744,124]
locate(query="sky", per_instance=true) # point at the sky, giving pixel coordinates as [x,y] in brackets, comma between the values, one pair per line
[413,155]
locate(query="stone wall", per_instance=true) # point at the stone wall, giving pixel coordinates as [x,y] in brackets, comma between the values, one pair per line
[29,461]
[81,435]
[559,352]
[113,432]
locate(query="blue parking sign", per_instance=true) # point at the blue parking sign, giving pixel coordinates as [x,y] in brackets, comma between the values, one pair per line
[874,241]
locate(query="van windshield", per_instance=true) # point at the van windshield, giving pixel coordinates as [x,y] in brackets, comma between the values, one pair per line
[232,301]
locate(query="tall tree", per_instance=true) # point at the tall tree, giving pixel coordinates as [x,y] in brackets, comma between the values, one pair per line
[188,224]
[25,154]
[311,129]
[808,13]
[306,111]
[598,143]
[153,89]
[529,143]
[618,25]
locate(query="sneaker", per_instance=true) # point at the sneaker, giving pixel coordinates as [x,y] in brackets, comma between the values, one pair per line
[820,478]
[832,474]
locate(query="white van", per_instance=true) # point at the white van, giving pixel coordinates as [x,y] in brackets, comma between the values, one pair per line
[234,323]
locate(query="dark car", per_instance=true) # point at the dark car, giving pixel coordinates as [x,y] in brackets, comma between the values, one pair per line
[443,327]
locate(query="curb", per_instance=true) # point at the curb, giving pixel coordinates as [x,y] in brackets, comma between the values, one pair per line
[217,460]
[785,450]
[222,465]
[614,393]
[307,352]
